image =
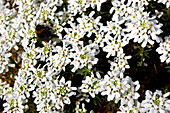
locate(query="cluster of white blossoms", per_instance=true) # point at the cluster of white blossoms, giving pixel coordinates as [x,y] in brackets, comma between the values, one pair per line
[39,75]
[123,90]
[164,49]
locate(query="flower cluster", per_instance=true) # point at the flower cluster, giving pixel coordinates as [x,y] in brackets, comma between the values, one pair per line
[164,50]
[156,102]
[53,95]
[74,36]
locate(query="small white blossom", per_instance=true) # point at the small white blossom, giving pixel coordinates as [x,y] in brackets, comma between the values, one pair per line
[91,85]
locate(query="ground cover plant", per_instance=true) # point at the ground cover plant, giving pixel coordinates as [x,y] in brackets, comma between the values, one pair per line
[77,56]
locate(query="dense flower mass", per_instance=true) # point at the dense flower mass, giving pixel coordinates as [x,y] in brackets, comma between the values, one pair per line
[58,41]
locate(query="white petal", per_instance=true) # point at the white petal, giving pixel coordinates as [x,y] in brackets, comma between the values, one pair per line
[91,14]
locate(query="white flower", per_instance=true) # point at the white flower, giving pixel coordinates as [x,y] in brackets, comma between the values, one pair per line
[119,65]
[113,47]
[156,102]
[164,48]
[5,60]
[131,94]
[89,24]
[130,109]
[91,85]
[114,87]
[53,92]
